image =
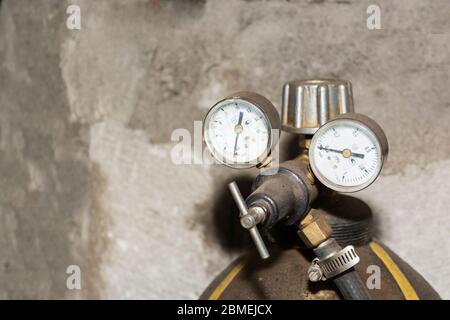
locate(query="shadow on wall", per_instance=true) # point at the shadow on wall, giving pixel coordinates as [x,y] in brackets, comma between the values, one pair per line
[226,226]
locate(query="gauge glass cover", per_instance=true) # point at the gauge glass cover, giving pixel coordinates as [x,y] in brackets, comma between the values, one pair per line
[345,155]
[237,133]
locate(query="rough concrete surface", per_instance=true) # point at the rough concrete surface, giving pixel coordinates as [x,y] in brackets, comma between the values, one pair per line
[86,118]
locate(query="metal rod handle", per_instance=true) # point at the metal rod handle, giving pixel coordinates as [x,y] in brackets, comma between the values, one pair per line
[254,233]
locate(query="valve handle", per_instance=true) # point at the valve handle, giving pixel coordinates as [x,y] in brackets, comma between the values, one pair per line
[254,233]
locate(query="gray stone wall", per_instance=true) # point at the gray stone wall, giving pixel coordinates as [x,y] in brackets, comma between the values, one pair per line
[86,118]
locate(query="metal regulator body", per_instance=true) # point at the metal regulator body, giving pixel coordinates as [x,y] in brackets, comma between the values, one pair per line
[333,255]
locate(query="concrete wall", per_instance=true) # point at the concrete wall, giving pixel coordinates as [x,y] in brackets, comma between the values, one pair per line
[86,118]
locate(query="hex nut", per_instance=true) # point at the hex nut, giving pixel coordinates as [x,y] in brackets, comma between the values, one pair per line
[315,231]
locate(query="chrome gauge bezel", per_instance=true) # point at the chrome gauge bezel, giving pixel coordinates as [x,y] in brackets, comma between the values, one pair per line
[271,118]
[371,128]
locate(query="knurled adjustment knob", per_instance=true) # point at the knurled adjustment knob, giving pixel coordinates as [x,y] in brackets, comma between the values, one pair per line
[308,104]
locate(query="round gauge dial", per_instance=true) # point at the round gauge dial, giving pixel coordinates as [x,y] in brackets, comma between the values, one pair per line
[239,130]
[347,153]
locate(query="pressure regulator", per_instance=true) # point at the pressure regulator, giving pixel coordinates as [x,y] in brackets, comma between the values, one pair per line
[343,150]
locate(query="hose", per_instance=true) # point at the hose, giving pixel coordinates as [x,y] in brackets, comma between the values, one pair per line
[349,282]
[350,286]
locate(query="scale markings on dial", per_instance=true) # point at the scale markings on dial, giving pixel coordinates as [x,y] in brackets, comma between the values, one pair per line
[245,128]
[346,155]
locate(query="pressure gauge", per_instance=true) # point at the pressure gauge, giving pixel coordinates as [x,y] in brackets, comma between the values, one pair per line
[241,130]
[347,153]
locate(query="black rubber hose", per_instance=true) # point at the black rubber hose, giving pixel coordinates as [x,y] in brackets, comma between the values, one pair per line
[349,282]
[350,286]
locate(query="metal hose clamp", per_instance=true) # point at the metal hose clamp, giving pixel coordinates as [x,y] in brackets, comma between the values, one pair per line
[332,266]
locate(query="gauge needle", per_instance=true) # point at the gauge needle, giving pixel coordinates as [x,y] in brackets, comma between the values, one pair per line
[238,130]
[343,152]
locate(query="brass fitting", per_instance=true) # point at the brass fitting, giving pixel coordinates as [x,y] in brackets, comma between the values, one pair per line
[304,143]
[314,229]
[310,175]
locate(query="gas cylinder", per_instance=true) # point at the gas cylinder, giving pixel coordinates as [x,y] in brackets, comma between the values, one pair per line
[284,276]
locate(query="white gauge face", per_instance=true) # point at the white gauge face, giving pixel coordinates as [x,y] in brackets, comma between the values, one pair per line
[345,155]
[237,133]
